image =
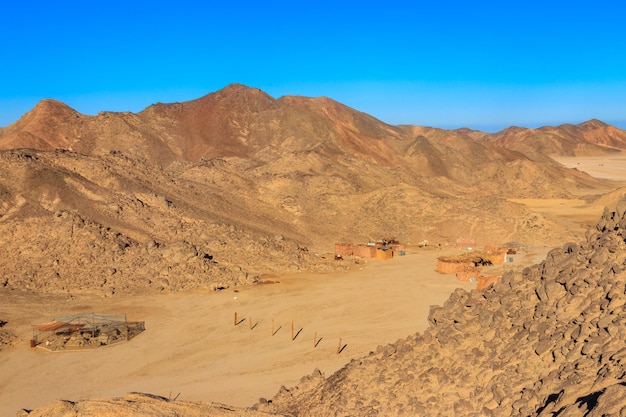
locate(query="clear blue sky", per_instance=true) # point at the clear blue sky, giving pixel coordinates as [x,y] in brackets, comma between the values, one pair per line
[480,64]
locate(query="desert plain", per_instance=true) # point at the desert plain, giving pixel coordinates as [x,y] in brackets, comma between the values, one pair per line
[243,343]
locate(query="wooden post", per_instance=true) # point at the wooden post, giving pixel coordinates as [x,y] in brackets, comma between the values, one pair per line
[315,340]
[235,321]
[272,327]
[339,347]
[250,323]
[291,329]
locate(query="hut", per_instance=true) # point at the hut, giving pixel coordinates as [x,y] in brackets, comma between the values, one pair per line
[84,331]
[510,255]
[382,249]
[384,252]
[454,264]
[344,249]
[365,251]
[468,274]
[397,248]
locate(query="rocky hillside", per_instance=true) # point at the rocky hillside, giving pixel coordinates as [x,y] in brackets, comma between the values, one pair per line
[590,138]
[223,189]
[544,342]
[73,223]
[140,405]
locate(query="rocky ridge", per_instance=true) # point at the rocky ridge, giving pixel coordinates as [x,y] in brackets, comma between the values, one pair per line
[85,224]
[546,341]
[140,405]
[221,190]
[589,138]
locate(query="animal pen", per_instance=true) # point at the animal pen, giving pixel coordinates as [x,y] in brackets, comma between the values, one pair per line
[85,331]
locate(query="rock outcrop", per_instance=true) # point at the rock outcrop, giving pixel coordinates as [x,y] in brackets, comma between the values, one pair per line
[114,225]
[7,338]
[139,405]
[544,342]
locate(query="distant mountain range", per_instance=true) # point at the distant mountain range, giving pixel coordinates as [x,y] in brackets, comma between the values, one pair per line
[244,122]
[269,177]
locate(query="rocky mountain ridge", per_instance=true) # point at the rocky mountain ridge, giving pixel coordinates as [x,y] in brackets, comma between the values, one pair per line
[221,190]
[241,121]
[592,137]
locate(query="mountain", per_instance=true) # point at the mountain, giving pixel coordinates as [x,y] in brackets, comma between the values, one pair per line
[234,122]
[49,125]
[223,189]
[589,138]
[239,121]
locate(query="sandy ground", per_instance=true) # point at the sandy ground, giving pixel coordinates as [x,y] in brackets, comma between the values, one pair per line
[611,167]
[192,349]
[577,214]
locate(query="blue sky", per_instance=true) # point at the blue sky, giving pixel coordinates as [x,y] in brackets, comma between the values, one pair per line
[479,64]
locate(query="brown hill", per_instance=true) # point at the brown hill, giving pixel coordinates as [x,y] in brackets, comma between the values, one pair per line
[589,138]
[49,125]
[234,122]
[225,188]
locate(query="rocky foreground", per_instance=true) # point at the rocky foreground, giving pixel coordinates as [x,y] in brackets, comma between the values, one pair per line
[139,405]
[544,342]
[548,341]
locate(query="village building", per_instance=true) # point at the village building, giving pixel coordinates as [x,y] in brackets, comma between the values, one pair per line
[382,249]
[468,266]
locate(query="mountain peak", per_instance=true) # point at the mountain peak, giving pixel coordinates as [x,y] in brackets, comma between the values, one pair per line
[45,112]
[513,130]
[238,87]
[237,97]
[238,91]
[51,124]
[50,107]
[593,124]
